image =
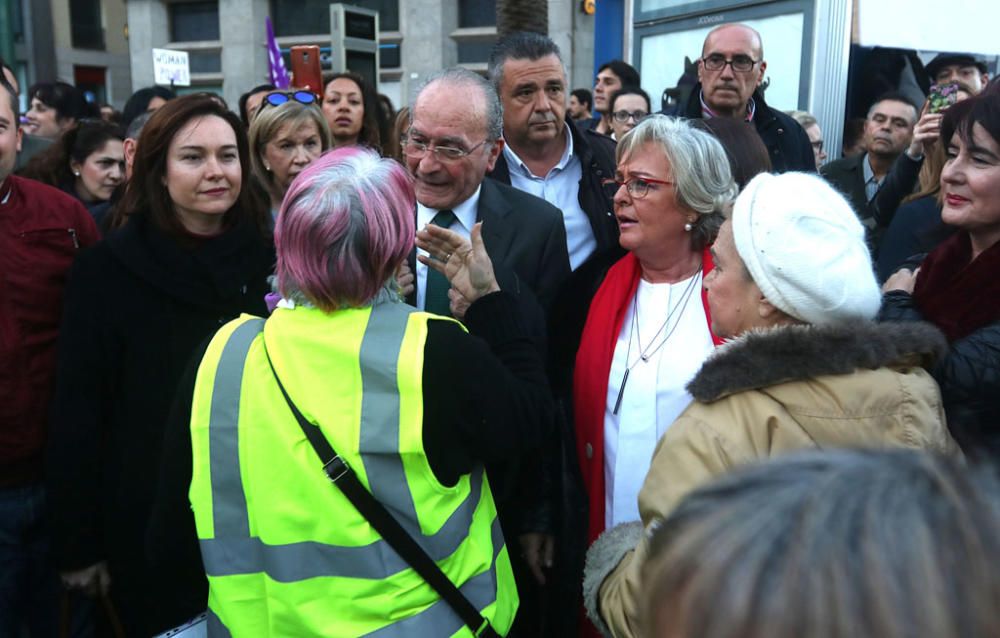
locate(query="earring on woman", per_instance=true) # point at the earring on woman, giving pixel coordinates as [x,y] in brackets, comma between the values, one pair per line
[688,227]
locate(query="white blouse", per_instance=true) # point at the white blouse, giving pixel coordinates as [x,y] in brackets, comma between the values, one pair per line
[655,393]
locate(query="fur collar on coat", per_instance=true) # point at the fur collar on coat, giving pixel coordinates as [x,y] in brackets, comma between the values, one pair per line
[763,358]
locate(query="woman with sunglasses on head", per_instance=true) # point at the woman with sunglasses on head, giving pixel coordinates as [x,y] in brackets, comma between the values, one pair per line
[87,162]
[194,253]
[351,110]
[287,133]
[629,104]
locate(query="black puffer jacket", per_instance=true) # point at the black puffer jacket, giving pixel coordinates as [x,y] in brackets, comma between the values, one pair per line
[969,376]
[787,143]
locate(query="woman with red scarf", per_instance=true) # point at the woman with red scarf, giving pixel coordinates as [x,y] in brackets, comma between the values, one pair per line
[647,330]
[957,286]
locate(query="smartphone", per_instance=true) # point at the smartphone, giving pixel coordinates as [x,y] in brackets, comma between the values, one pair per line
[942,96]
[306,72]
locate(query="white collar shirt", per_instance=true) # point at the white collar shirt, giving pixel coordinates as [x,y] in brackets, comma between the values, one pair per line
[465,214]
[561,188]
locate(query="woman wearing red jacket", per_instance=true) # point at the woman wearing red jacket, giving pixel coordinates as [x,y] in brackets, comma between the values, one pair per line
[647,330]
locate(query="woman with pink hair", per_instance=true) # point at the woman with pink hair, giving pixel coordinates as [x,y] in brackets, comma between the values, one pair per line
[409,403]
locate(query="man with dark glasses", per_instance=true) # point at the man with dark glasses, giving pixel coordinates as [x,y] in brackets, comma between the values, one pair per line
[730,72]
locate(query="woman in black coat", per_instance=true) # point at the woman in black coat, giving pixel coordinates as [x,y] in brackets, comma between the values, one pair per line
[956,287]
[192,254]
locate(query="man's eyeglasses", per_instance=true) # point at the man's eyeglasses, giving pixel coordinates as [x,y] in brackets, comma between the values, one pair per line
[277,98]
[418,149]
[740,63]
[622,116]
[817,146]
[637,187]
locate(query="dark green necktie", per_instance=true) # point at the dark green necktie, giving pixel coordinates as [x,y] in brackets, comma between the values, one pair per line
[436,292]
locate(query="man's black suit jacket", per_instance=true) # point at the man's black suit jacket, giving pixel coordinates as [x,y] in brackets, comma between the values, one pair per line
[848,176]
[524,236]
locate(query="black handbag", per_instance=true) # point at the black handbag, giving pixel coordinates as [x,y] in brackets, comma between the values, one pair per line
[343,477]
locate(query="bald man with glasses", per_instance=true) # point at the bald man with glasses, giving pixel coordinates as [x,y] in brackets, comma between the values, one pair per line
[730,72]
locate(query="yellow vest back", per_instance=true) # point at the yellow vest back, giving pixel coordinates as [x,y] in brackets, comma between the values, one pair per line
[285,552]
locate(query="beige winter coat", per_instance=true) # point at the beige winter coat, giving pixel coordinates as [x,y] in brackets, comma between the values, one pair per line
[764,394]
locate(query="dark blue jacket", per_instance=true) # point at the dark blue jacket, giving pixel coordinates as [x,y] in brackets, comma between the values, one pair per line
[786,141]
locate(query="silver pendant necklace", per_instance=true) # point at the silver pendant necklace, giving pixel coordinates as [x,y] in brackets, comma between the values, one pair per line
[646,353]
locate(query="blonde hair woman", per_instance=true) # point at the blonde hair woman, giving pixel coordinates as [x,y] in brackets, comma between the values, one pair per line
[288,132]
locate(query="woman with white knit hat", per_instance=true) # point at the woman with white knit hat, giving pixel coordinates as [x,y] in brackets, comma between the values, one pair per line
[804,366]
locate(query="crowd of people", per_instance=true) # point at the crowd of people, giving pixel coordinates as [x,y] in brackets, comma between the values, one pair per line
[511,361]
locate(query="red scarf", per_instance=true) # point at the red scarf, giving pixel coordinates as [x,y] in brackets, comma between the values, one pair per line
[957,294]
[593,365]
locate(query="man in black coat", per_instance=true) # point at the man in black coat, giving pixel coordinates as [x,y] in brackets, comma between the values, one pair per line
[730,72]
[888,133]
[544,154]
[451,143]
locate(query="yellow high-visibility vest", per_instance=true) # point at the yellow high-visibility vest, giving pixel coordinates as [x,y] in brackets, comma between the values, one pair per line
[285,552]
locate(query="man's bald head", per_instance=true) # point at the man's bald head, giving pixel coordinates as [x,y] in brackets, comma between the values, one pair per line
[758,43]
[731,68]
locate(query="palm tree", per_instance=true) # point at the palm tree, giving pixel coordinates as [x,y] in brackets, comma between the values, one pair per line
[522,15]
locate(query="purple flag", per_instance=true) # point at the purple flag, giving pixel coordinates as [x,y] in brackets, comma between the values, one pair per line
[275,63]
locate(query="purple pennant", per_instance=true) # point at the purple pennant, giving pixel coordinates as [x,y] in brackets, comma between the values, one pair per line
[275,63]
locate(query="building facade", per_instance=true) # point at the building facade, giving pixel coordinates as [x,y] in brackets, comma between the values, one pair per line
[83,42]
[226,39]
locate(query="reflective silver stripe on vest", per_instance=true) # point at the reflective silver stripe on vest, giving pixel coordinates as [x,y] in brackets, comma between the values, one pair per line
[380,433]
[215,628]
[233,551]
[292,562]
[380,411]
[439,619]
[229,503]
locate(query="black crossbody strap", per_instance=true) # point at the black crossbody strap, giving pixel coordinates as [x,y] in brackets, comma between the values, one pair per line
[343,477]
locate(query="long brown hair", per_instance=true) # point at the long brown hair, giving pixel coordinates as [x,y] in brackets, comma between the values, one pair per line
[146,192]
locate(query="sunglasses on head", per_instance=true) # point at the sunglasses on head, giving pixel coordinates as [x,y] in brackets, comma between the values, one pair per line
[277,98]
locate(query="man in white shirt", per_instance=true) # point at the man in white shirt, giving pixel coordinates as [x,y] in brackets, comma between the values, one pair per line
[454,138]
[546,156]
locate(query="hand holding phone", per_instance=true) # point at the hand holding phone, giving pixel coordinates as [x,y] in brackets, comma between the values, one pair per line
[942,96]
[306,71]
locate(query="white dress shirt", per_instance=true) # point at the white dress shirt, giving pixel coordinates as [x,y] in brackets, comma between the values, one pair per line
[655,393]
[465,214]
[561,188]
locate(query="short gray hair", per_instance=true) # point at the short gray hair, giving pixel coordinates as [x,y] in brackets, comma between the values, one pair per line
[804,119]
[834,543]
[521,45]
[136,125]
[457,76]
[699,166]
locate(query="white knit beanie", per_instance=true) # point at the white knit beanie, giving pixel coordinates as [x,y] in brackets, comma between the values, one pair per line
[805,249]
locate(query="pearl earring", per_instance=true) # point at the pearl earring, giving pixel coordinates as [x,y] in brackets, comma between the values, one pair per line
[688,227]
[77,173]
